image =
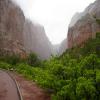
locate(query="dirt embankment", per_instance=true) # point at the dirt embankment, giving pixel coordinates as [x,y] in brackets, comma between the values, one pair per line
[29,90]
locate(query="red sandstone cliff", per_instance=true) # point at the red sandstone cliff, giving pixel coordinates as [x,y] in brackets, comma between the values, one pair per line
[84,25]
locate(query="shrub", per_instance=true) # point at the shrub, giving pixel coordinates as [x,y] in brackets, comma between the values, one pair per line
[25,69]
[85,89]
[33,60]
[4,65]
[11,59]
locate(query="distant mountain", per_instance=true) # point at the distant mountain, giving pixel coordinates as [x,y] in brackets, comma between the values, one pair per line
[63,47]
[84,25]
[55,49]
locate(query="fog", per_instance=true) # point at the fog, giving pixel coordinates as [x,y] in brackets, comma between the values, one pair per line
[54,15]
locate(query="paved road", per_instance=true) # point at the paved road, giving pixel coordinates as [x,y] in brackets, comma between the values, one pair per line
[8,90]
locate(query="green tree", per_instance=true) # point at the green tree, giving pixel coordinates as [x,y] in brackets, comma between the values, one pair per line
[85,89]
[33,60]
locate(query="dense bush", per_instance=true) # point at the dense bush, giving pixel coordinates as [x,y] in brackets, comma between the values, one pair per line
[4,65]
[11,59]
[33,60]
[98,20]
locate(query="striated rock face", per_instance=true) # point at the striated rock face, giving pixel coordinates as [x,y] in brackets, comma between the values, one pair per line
[35,40]
[84,26]
[11,28]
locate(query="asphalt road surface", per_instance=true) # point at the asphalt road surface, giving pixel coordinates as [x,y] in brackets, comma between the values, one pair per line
[8,90]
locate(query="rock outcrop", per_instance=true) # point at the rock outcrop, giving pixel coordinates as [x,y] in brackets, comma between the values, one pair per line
[84,25]
[11,28]
[35,40]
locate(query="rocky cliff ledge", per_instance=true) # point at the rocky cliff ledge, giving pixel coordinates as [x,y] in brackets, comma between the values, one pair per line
[84,25]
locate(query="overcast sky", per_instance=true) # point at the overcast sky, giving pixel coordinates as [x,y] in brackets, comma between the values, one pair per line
[54,15]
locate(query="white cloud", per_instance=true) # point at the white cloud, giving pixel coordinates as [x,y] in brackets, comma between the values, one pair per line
[55,15]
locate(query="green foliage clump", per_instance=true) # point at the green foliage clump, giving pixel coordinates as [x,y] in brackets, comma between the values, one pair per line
[24,69]
[98,20]
[33,60]
[11,59]
[98,35]
[4,65]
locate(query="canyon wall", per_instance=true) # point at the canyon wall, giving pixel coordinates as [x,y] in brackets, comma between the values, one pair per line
[19,35]
[35,40]
[11,28]
[84,25]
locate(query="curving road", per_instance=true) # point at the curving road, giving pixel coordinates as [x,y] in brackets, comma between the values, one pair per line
[8,88]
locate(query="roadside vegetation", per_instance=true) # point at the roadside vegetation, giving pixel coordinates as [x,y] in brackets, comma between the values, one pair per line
[75,75]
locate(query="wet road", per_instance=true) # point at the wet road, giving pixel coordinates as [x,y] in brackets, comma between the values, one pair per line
[8,90]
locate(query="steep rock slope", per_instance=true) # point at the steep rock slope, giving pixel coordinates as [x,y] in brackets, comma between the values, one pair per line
[11,28]
[35,40]
[21,36]
[84,25]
